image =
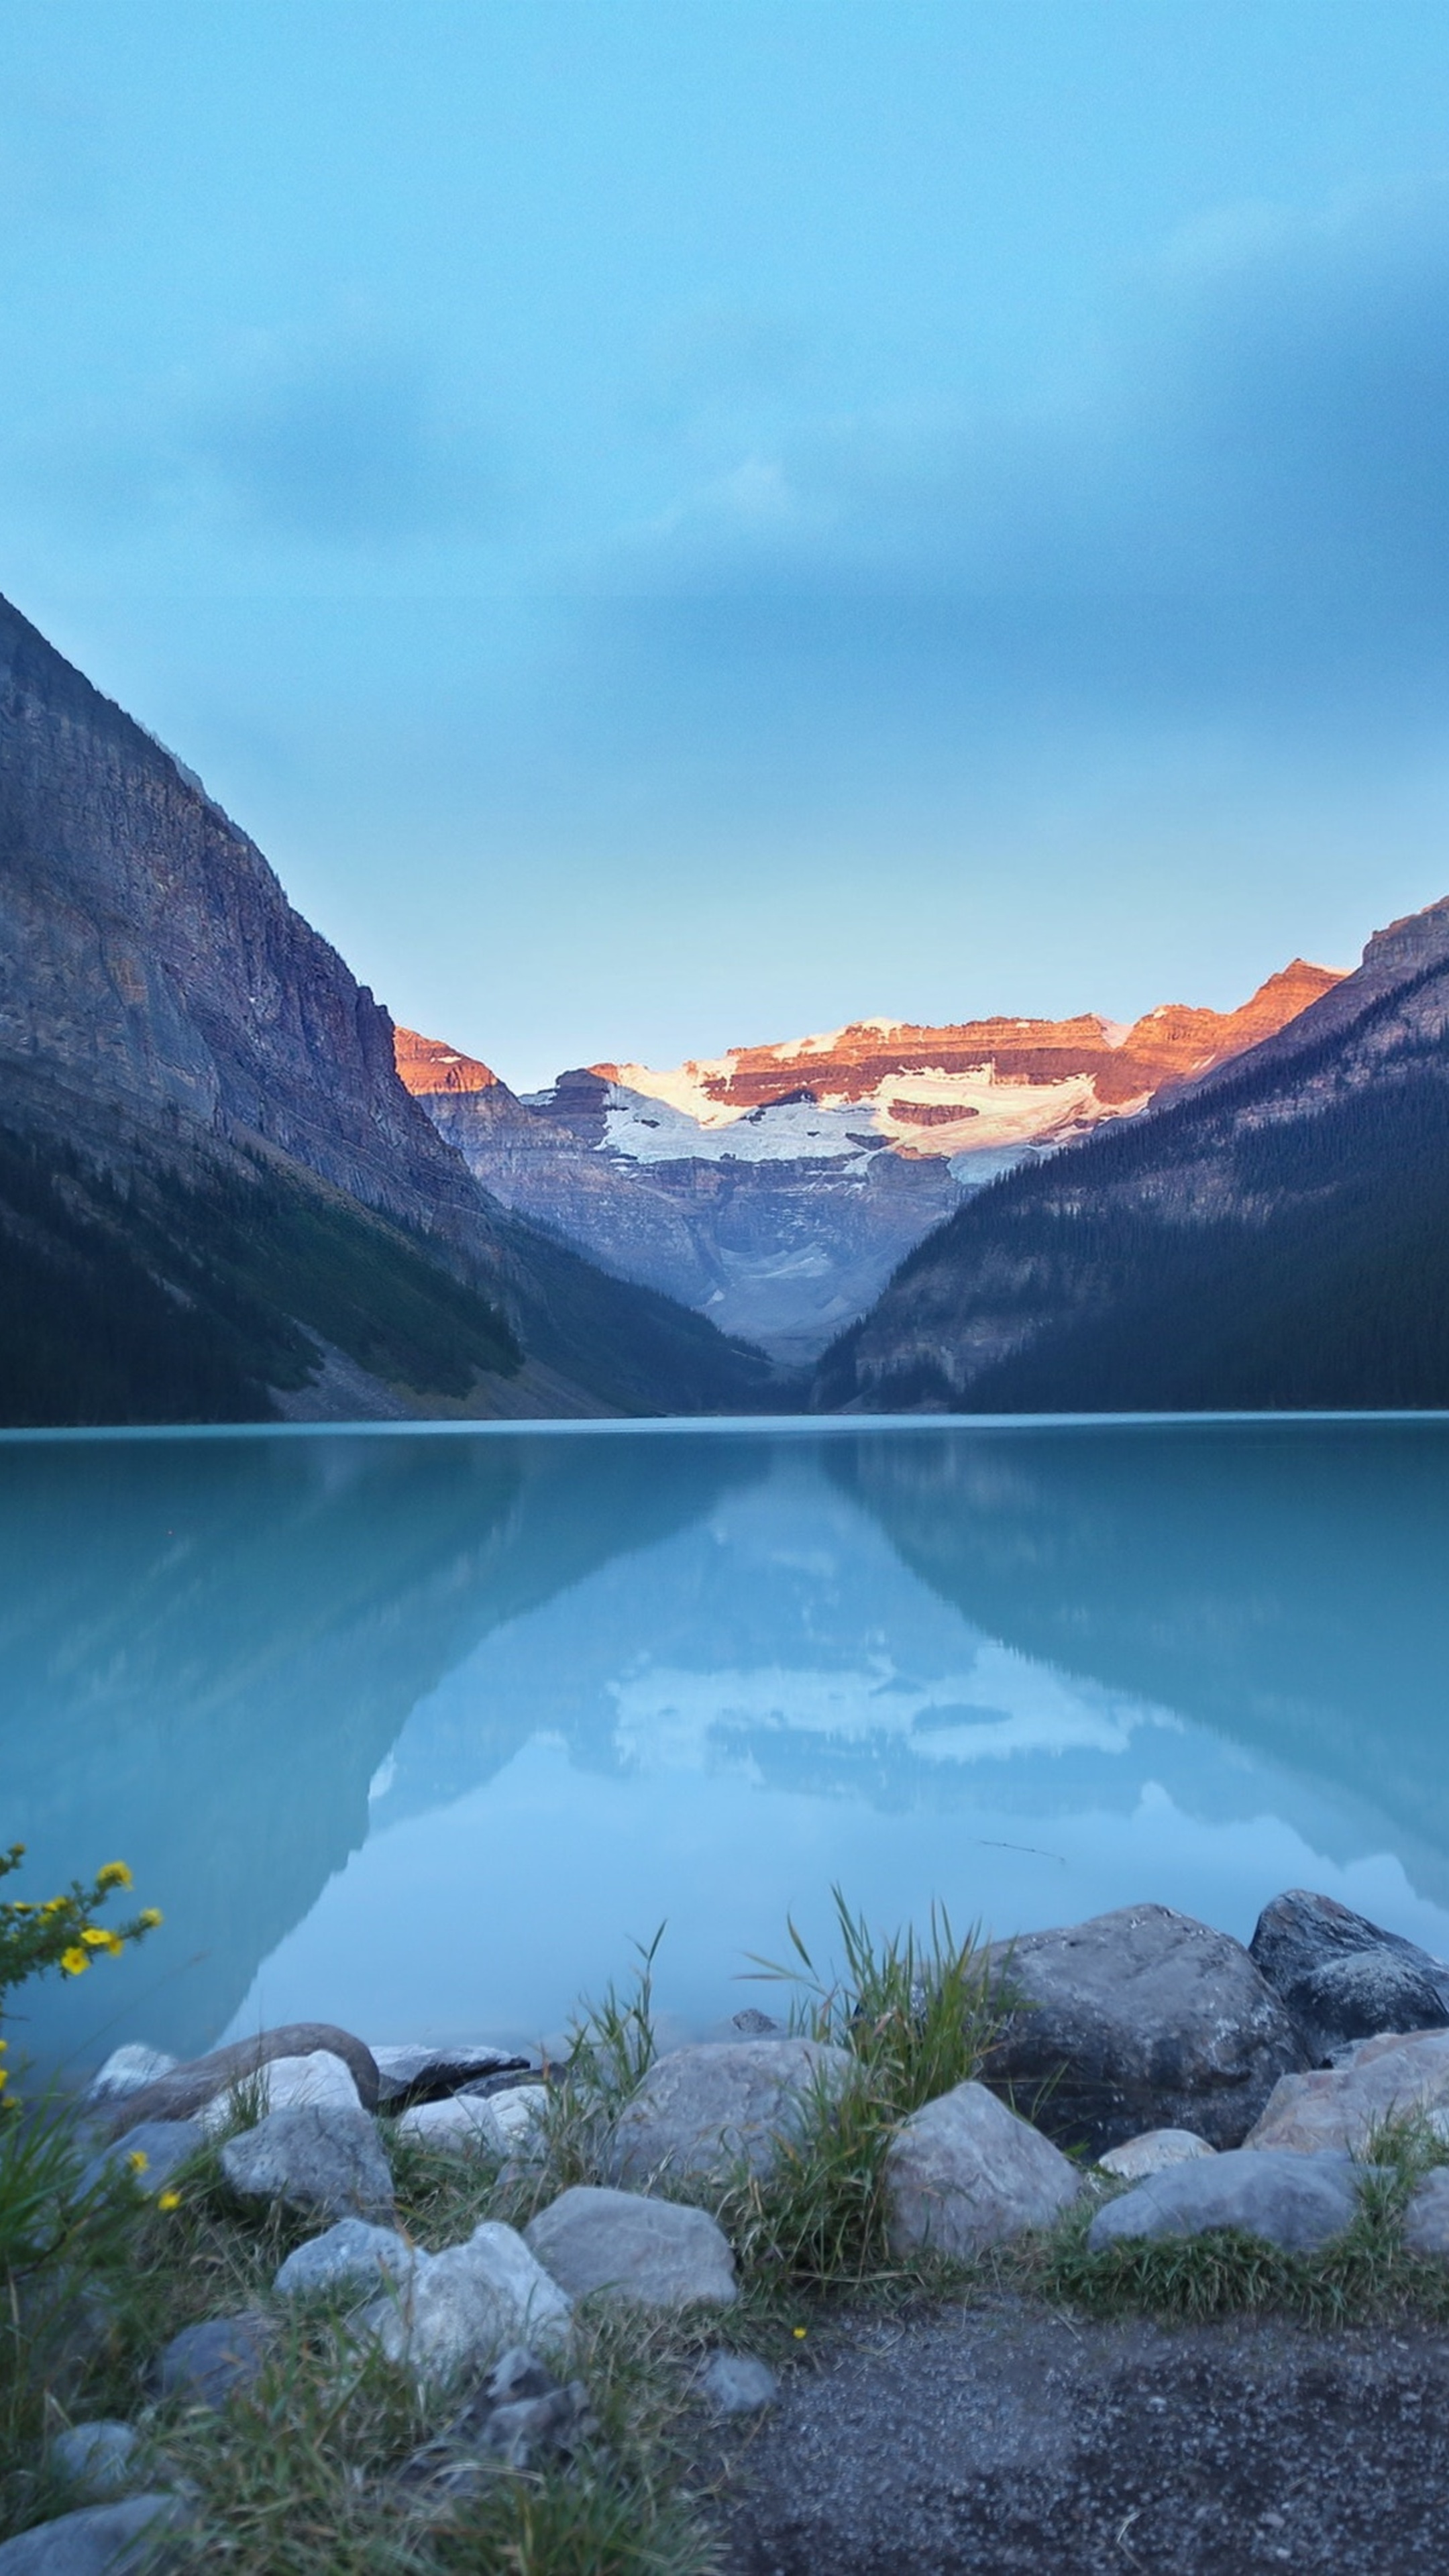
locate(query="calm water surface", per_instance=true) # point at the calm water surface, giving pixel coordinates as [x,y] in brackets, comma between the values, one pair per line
[416,1731]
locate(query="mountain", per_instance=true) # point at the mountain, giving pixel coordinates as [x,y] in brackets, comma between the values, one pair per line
[776,1188]
[217,1199]
[1274,1234]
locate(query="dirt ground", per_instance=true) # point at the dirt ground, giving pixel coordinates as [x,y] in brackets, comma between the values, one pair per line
[1012,2439]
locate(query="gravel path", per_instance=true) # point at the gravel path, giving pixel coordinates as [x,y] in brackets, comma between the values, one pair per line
[1011,2440]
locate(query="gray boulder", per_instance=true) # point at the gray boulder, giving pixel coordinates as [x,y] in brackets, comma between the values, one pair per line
[209,2363]
[1141,2019]
[1395,2077]
[97,2459]
[417,2071]
[165,2144]
[1152,2153]
[323,2160]
[1344,1978]
[701,2110]
[353,2255]
[655,2253]
[964,2173]
[735,2383]
[1426,2221]
[1298,2202]
[188,2088]
[101,2540]
[460,2309]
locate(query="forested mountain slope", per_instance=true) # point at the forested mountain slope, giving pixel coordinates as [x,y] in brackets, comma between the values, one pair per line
[1276,1236]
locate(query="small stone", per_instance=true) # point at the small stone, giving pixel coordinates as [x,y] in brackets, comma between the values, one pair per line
[491,2124]
[735,2383]
[1152,2153]
[96,2458]
[353,2255]
[283,2084]
[754,2024]
[326,2160]
[1391,2077]
[964,2173]
[460,2309]
[1296,2201]
[100,2540]
[654,2253]
[1426,2221]
[703,2109]
[209,2363]
[1344,1978]
[417,2071]
[126,2070]
[165,2144]
[519,2415]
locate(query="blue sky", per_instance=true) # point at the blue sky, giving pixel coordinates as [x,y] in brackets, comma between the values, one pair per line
[676,522]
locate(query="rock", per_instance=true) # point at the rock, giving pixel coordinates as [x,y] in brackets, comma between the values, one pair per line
[209,2363]
[127,2070]
[734,2383]
[754,2024]
[1295,2201]
[165,2144]
[1426,2221]
[282,2084]
[1152,2153]
[1344,1978]
[1391,2077]
[352,2255]
[519,2415]
[188,2089]
[418,2072]
[964,2173]
[325,2160]
[700,2110]
[462,2308]
[1141,2019]
[96,2458]
[495,2124]
[655,2253]
[101,2540]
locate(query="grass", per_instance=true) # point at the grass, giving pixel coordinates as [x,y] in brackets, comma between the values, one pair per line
[299,2475]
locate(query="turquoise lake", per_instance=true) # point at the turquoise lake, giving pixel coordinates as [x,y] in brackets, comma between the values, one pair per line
[417,1730]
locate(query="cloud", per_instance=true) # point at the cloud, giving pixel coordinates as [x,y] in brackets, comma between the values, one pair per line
[339,440]
[1245,516]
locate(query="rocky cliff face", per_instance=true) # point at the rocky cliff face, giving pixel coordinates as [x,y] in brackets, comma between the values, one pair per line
[776,1189]
[1276,1232]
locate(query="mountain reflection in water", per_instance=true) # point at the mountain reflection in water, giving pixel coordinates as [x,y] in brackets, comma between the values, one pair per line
[416,1730]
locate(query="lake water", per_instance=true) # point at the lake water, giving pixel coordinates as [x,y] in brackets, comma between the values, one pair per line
[416,1730]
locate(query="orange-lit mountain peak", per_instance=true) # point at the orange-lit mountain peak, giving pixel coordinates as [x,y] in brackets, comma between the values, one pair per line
[428,1065]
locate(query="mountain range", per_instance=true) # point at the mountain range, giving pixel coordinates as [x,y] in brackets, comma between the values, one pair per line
[776,1188]
[231,1190]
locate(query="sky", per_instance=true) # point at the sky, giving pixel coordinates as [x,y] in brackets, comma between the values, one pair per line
[677,523]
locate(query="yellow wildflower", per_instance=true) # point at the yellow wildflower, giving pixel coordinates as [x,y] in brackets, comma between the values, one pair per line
[94,1938]
[169,2200]
[4,2044]
[799,2334]
[55,1905]
[74,1960]
[20,1905]
[115,1874]
[137,2160]
[4,2077]
[151,1915]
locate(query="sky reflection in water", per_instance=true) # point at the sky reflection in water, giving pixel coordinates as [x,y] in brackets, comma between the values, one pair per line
[416,1732]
